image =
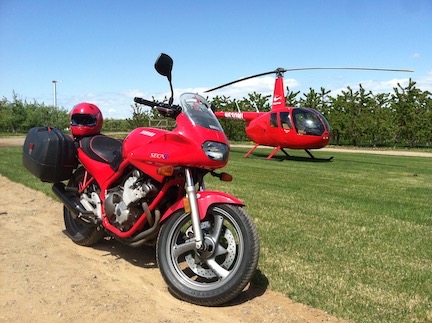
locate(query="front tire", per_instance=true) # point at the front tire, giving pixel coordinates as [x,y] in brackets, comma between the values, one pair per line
[81,233]
[218,274]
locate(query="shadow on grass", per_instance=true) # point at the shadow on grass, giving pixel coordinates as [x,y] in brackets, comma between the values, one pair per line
[145,257]
[280,158]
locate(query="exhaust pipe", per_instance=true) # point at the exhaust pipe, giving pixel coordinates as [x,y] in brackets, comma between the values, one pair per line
[72,203]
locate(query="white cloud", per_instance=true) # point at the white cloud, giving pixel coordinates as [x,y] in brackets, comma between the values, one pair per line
[133,93]
[374,86]
[113,105]
[383,86]
[263,85]
[425,83]
[415,55]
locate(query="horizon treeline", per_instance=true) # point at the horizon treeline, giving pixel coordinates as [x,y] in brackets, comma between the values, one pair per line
[357,117]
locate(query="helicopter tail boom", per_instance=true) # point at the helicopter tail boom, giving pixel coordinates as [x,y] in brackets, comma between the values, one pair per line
[245,116]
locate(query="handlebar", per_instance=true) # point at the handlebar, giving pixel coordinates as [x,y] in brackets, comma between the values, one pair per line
[164,109]
[145,102]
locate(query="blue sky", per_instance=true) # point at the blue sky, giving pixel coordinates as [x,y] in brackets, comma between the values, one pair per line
[104,51]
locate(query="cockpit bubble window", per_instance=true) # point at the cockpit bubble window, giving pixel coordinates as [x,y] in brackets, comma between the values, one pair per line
[324,120]
[198,110]
[307,122]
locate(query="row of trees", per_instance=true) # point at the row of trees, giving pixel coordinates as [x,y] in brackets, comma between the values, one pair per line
[18,116]
[357,117]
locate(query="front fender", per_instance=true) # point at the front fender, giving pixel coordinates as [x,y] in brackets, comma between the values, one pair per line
[205,199]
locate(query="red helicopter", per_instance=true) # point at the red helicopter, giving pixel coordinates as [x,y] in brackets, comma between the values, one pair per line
[286,127]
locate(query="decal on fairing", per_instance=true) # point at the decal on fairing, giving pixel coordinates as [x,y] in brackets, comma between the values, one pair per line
[159,156]
[147,133]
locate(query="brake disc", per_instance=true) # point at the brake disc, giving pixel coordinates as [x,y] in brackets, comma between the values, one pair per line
[200,268]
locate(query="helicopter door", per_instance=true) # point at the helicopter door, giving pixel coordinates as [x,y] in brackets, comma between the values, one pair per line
[273,120]
[285,120]
[280,120]
[280,125]
[273,131]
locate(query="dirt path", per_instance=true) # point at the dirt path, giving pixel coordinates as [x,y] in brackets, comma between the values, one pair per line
[11,141]
[45,277]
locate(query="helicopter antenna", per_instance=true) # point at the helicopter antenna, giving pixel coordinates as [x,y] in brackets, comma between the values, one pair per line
[279,71]
[256,107]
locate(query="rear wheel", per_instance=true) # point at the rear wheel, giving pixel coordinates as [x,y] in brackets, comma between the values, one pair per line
[218,274]
[80,232]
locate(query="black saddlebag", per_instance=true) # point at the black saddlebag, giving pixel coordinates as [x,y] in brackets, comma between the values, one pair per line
[49,154]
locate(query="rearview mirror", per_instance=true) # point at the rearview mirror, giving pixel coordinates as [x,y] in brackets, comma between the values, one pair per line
[164,65]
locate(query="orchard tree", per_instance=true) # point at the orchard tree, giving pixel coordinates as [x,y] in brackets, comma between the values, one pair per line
[412,109]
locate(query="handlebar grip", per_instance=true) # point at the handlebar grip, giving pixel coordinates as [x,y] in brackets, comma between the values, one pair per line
[145,102]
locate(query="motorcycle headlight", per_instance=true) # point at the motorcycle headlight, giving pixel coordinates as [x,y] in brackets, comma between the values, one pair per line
[216,150]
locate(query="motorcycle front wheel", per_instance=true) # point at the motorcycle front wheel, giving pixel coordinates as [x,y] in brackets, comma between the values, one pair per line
[220,272]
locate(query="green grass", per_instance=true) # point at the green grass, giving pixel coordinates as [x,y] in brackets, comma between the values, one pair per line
[11,166]
[352,236]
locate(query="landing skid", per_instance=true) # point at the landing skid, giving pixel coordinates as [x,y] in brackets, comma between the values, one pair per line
[250,151]
[313,157]
[276,149]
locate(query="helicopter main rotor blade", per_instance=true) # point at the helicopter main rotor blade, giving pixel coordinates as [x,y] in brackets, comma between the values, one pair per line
[240,80]
[347,68]
[281,70]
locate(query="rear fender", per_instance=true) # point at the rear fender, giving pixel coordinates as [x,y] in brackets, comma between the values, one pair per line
[205,200]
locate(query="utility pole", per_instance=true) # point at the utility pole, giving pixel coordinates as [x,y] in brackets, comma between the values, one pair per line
[55,92]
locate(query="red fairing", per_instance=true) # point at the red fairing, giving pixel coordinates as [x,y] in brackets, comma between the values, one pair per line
[205,200]
[149,148]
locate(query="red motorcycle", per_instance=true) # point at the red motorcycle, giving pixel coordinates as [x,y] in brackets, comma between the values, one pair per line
[149,190]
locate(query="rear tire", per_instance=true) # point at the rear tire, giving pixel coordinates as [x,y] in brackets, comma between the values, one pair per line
[220,273]
[81,233]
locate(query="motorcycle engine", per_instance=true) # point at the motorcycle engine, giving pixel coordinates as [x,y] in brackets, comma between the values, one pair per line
[123,203]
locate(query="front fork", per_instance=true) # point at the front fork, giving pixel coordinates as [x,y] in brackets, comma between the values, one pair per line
[195,216]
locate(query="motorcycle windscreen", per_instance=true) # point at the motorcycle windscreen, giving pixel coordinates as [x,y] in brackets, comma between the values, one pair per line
[198,110]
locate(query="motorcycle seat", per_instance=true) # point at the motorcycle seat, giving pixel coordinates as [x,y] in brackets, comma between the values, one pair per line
[103,149]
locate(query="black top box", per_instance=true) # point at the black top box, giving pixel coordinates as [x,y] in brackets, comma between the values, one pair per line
[49,154]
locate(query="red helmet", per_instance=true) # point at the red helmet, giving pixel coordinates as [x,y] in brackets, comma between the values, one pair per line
[86,120]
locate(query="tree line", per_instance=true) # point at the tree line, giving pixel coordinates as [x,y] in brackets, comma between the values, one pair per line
[357,117]
[18,116]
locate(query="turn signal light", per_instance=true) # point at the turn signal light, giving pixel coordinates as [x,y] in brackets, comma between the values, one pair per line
[165,170]
[226,177]
[186,205]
